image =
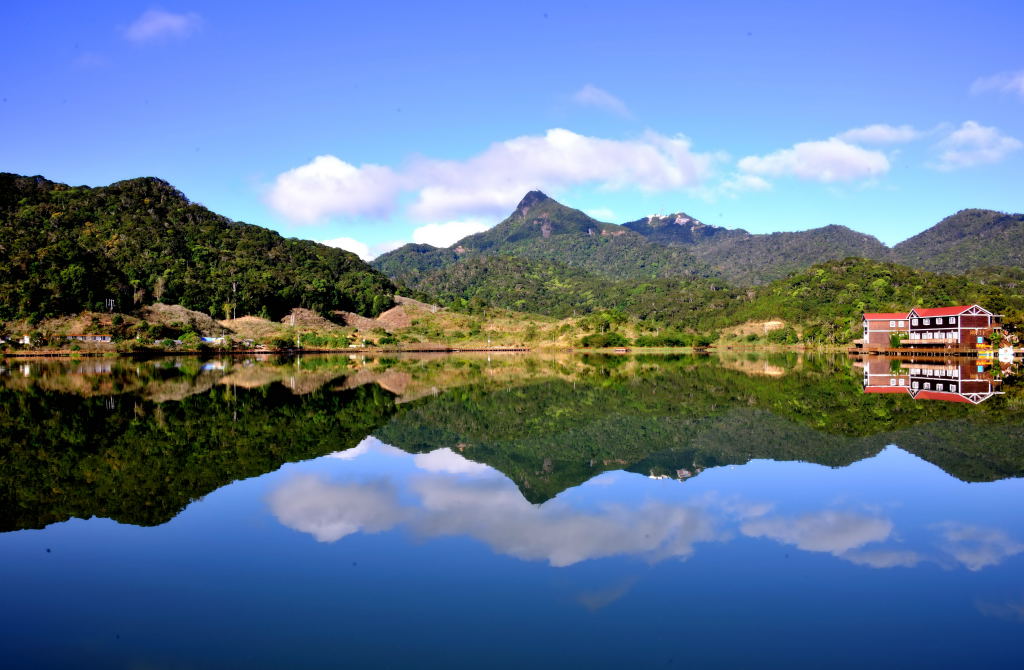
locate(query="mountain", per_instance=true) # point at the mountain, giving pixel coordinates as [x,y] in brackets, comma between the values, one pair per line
[67,249]
[679,228]
[655,247]
[543,229]
[971,238]
[758,259]
[552,259]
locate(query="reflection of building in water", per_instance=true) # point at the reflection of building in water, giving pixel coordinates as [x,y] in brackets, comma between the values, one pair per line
[949,380]
[682,474]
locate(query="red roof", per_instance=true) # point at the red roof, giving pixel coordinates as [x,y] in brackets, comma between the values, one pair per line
[940,395]
[941,311]
[886,389]
[884,316]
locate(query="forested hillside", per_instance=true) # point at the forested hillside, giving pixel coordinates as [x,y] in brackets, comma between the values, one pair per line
[555,289]
[830,297]
[757,259]
[67,249]
[970,239]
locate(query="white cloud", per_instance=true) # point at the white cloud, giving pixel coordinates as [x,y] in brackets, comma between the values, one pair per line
[495,180]
[1004,82]
[739,183]
[349,244]
[447,234]
[329,512]
[592,96]
[826,161]
[828,531]
[880,133]
[601,214]
[883,558]
[492,182]
[157,24]
[974,144]
[384,247]
[328,186]
[446,460]
[977,547]
[493,511]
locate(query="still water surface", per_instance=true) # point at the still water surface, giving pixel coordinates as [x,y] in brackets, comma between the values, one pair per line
[625,511]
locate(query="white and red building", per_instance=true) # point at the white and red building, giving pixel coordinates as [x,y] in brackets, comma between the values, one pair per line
[961,326]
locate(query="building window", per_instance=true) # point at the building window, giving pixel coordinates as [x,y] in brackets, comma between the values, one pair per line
[892,324]
[927,386]
[915,385]
[952,320]
[901,324]
[938,321]
[927,322]
[892,382]
[913,322]
[903,382]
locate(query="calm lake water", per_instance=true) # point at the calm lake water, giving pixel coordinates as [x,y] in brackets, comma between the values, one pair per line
[585,511]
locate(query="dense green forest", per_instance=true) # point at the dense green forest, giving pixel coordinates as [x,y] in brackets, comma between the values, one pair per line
[555,289]
[68,249]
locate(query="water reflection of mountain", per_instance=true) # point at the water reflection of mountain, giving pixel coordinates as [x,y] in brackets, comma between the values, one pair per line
[680,416]
[138,446]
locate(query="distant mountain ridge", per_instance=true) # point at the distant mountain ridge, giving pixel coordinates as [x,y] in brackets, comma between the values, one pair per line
[551,259]
[543,229]
[681,246]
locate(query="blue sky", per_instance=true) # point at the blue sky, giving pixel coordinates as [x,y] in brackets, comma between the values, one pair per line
[388,122]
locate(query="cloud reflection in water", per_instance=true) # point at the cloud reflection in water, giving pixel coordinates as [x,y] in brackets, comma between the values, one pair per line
[449,495]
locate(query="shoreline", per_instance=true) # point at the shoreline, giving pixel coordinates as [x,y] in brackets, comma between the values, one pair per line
[212,353]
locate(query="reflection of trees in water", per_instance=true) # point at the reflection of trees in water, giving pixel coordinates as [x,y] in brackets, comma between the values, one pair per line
[140,462]
[548,425]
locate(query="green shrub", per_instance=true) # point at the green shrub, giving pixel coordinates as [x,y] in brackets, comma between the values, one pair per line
[609,339]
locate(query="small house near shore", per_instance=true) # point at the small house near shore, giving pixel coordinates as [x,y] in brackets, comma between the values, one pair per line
[90,337]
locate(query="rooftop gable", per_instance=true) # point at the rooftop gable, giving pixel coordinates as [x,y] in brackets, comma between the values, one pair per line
[884,316]
[949,311]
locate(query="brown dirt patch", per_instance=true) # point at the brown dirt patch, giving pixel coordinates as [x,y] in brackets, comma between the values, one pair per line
[252,327]
[176,314]
[308,319]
